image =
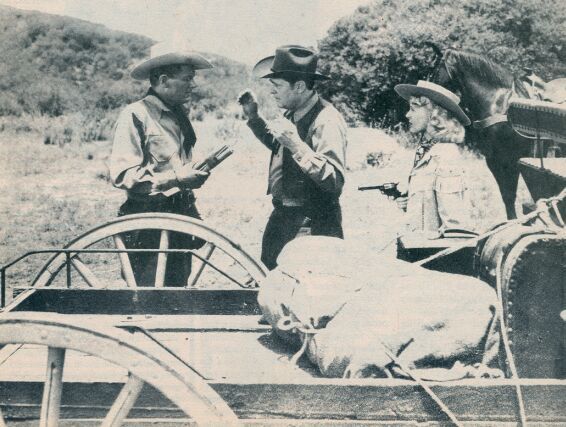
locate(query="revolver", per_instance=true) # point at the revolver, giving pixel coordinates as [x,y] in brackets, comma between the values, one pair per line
[388,188]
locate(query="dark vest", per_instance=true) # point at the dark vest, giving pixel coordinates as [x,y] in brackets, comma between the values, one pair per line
[296,184]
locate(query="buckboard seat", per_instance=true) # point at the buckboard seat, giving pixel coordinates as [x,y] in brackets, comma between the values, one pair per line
[544,177]
[415,247]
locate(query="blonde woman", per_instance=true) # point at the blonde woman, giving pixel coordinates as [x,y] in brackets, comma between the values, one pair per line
[437,199]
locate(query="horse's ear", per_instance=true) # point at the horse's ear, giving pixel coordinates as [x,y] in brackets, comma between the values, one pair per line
[449,57]
[435,48]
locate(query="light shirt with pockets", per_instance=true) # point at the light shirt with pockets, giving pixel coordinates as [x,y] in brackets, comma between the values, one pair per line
[148,148]
[438,198]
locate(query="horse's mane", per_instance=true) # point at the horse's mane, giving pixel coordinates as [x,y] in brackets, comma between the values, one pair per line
[490,73]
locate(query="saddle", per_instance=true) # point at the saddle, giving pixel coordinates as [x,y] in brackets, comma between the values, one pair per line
[530,87]
[552,91]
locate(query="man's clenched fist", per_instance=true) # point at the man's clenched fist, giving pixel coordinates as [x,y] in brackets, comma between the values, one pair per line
[249,105]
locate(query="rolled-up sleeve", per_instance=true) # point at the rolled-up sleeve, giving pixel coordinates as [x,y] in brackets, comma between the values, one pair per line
[325,163]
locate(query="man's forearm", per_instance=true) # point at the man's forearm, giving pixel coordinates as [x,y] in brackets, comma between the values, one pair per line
[139,181]
[164,181]
[259,127]
[320,170]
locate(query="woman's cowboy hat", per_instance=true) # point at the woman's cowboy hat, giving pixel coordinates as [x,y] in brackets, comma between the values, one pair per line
[289,60]
[166,54]
[437,94]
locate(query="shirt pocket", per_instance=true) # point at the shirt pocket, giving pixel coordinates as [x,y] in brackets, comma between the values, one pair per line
[421,181]
[449,183]
[160,148]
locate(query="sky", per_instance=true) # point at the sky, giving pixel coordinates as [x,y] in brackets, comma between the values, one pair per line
[244,30]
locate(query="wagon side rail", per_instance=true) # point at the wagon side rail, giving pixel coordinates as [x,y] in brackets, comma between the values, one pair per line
[70,253]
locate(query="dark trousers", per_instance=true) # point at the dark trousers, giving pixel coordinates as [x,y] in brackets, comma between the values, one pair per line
[287,223]
[144,265]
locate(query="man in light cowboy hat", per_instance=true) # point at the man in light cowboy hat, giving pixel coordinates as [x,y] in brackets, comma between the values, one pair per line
[151,158]
[437,198]
[306,173]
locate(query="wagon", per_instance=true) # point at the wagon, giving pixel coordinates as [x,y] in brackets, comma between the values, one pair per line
[83,345]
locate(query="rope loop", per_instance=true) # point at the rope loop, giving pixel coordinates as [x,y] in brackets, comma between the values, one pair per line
[287,323]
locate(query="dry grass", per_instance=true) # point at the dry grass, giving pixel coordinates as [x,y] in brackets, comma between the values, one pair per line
[50,194]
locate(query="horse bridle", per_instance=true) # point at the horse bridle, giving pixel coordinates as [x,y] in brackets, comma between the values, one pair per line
[493,119]
[436,69]
[476,124]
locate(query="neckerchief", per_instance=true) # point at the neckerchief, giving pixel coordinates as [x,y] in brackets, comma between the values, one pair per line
[289,115]
[189,136]
[423,148]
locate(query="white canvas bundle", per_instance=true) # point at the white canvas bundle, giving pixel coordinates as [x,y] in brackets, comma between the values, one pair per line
[350,311]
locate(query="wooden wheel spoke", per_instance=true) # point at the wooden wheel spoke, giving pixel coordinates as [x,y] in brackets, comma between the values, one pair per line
[51,401]
[162,259]
[136,225]
[209,249]
[85,272]
[124,402]
[127,269]
[145,360]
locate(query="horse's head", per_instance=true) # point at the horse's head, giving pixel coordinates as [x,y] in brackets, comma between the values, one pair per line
[482,85]
[441,73]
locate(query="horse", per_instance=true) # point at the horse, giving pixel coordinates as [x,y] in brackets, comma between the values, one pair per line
[485,89]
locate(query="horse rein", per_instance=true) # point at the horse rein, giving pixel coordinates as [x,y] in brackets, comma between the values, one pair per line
[489,121]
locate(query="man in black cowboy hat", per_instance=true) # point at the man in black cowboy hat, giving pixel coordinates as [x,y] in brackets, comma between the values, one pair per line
[306,173]
[151,158]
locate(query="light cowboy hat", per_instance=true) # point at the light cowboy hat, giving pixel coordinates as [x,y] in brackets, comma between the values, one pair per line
[437,94]
[166,54]
[289,60]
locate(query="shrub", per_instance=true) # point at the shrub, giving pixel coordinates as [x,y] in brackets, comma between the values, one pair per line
[385,43]
[377,159]
[227,130]
[197,114]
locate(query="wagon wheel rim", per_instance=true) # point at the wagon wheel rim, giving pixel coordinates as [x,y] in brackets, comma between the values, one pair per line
[144,361]
[164,223]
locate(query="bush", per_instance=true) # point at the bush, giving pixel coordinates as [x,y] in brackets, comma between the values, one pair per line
[378,159]
[227,130]
[385,43]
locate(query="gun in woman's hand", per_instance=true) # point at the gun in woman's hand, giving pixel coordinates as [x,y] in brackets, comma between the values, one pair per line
[388,188]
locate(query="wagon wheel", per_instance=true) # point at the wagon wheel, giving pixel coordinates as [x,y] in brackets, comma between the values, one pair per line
[242,269]
[145,361]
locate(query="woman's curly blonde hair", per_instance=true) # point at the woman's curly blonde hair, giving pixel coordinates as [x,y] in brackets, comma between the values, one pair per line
[442,126]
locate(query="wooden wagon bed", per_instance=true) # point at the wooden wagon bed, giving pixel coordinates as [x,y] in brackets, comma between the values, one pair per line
[217,334]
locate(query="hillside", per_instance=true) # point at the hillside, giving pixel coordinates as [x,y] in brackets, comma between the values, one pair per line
[54,65]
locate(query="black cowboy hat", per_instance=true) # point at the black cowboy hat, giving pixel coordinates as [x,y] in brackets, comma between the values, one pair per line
[289,60]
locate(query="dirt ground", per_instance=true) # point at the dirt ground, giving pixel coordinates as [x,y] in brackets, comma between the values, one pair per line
[51,194]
